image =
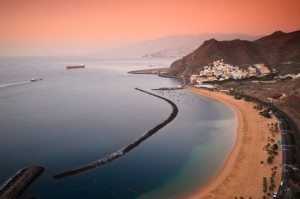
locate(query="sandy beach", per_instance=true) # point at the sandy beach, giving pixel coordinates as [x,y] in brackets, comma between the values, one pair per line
[242,173]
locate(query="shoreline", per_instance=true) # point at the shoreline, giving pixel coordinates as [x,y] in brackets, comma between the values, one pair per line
[228,160]
[241,173]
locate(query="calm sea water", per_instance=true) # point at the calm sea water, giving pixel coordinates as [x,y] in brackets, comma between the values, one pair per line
[73,117]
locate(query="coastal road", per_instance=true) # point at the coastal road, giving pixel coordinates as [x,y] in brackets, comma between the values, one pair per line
[286,189]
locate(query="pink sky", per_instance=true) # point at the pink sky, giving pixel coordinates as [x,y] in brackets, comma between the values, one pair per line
[50,25]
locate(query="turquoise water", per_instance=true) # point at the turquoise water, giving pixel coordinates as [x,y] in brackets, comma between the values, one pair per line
[73,117]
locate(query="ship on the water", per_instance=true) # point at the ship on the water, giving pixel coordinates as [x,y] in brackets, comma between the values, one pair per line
[75,66]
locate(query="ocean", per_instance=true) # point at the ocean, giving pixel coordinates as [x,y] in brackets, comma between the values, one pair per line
[69,118]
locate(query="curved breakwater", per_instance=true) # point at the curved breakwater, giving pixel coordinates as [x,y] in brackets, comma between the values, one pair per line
[18,183]
[128,148]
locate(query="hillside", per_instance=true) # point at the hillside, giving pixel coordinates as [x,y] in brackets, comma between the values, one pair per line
[290,104]
[179,46]
[278,50]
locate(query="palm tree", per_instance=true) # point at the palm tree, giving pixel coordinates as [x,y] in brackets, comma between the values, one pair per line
[270,160]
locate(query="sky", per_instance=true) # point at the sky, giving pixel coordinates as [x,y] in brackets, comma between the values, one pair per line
[59,26]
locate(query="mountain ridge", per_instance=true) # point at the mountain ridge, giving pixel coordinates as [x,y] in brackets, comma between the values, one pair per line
[166,45]
[274,50]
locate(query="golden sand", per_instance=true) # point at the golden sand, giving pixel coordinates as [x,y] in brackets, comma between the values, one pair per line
[242,173]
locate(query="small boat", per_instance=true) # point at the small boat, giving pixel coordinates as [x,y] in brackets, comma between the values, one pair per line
[75,66]
[34,79]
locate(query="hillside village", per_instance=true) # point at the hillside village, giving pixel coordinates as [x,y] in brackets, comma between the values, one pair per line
[220,71]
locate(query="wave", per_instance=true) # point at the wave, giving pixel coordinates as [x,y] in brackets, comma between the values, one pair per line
[13,84]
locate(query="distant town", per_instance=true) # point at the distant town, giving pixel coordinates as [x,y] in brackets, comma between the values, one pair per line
[220,71]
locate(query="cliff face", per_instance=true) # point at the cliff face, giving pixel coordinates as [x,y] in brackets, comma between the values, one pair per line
[277,50]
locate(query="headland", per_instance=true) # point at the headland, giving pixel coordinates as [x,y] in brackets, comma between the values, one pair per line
[150,71]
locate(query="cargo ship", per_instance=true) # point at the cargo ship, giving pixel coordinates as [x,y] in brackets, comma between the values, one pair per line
[75,66]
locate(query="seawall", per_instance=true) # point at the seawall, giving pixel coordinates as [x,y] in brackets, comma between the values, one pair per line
[20,181]
[129,147]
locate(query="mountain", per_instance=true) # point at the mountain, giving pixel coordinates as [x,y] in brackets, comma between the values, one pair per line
[280,47]
[171,53]
[172,46]
[179,46]
[279,50]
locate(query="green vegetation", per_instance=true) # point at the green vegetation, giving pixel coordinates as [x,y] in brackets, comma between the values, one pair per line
[290,134]
[237,97]
[270,160]
[258,107]
[274,127]
[265,113]
[268,190]
[241,197]
[265,185]
[271,150]
[272,184]
[273,171]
